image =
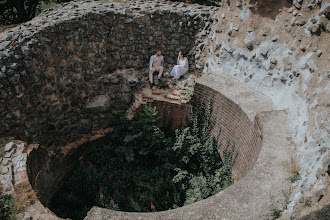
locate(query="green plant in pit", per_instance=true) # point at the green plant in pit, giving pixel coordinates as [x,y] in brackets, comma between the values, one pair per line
[8,206]
[201,171]
[187,94]
[139,167]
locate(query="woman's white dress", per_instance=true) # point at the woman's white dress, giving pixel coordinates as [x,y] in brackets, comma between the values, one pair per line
[180,69]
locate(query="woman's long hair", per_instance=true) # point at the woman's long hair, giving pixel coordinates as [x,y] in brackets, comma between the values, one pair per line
[183,53]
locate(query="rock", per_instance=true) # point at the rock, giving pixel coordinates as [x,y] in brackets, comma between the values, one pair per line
[128,20]
[287,63]
[27,217]
[302,199]
[268,10]
[325,11]
[4,44]
[249,44]
[8,155]
[19,216]
[4,95]
[275,38]
[319,53]
[249,40]
[124,88]
[273,61]
[314,29]
[5,179]
[128,10]
[99,103]
[263,51]
[326,166]
[175,42]
[8,188]
[303,47]
[301,22]
[308,201]
[311,6]
[297,4]
[319,194]
[10,146]
[5,161]
[2,75]
[239,4]
[85,126]
[4,170]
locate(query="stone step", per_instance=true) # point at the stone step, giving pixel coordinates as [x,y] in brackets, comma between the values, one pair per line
[158,91]
[173,97]
[176,92]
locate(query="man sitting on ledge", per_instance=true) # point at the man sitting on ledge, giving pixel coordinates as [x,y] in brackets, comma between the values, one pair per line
[156,64]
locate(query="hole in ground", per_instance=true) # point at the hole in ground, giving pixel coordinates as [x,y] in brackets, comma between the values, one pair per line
[49,172]
[143,166]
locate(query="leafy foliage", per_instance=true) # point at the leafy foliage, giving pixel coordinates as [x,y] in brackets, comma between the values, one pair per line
[140,166]
[7,206]
[186,94]
[201,171]
[18,11]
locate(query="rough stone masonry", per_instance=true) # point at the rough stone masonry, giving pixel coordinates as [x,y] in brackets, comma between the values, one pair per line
[54,65]
[50,69]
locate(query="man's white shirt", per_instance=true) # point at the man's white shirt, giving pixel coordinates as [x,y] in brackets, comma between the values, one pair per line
[156,58]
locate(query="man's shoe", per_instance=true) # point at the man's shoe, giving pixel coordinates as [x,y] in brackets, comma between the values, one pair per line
[151,84]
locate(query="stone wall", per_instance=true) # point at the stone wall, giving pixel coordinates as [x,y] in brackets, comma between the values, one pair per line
[48,171]
[54,65]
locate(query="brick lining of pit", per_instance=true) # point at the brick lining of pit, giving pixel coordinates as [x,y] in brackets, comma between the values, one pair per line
[47,171]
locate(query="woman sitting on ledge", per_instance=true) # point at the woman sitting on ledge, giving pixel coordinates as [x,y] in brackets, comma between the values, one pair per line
[182,66]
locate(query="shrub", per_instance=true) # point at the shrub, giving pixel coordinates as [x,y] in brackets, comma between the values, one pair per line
[7,206]
[141,169]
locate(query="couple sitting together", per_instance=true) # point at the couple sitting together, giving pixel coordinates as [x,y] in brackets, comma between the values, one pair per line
[157,61]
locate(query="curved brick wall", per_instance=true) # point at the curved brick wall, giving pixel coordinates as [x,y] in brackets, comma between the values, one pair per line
[235,126]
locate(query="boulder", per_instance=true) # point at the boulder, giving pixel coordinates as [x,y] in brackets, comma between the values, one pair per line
[9,146]
[99,103]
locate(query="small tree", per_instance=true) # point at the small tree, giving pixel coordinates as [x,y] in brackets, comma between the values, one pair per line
[18,11]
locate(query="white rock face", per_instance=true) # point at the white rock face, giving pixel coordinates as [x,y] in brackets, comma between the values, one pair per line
[9,146]
[292,74]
